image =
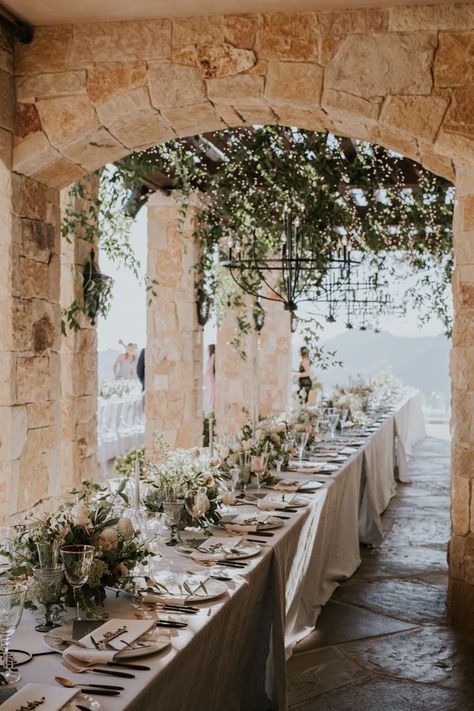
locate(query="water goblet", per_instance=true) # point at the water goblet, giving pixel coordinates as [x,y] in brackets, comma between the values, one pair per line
[12,600]
[244,472]
[278,464]
[301,442]
[332,417]
[259,467]
[48,553]
[343,415]
[77,561]
[173,507]
[196,502]
[49,583]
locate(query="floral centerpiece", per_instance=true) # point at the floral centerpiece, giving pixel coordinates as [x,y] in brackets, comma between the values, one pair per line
[185,470]
[92,518]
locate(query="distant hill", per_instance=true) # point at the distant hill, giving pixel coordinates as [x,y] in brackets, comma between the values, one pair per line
[422,362]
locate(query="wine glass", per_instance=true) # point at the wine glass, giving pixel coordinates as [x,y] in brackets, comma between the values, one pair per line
[48,553]
[77,561]
[259,465]
[49,583]
[196,502]
[12,599]
[301,441]
[343,415]
[332,417]
[244,472]
[173,506]
[279,464]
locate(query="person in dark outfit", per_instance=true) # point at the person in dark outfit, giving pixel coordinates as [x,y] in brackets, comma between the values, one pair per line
[304,371]
[141,368]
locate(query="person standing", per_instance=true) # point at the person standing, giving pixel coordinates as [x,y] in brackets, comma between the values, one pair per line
[304,372]
[126,363]
[210,376]
[141,368]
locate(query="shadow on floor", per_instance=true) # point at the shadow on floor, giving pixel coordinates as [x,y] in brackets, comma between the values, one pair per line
[382,641]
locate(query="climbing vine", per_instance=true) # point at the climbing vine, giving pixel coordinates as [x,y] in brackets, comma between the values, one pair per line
[363,202]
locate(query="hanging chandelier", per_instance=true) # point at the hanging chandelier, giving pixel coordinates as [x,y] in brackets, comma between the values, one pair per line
[287,276]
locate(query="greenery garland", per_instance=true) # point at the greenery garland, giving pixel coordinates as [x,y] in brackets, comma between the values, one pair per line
[400,230]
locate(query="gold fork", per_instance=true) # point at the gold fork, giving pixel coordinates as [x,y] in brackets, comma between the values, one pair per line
[77,670]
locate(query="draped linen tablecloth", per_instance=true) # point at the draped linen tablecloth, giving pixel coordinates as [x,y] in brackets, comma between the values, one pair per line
[232,656]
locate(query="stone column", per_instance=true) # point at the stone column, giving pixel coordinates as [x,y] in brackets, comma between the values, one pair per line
[263,375]
[173,355]
[235,378]
[78,361]
[275,360]
[461,548]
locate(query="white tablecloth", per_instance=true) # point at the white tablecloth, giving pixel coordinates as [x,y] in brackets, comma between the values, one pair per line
[120,424]
[235,650]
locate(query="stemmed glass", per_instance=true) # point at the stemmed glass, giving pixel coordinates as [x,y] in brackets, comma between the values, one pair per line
[48,553]
[301,442]
[173,505]
[49,583]
[196,502]
[343,415]
[77,561]
[259,465]
[12,599]
[332,417]
[244,472]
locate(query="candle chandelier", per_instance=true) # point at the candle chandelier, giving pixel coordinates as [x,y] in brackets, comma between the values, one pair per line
[288,275]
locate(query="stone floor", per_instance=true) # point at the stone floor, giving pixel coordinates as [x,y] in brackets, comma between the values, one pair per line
[382,641]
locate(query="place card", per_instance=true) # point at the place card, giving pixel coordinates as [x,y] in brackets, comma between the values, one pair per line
[277,499]
[40,697]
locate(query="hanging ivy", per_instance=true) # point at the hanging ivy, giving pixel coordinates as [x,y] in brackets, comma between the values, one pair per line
[363,201]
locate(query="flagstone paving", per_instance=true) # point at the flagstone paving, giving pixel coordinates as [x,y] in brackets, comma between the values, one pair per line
[382,641]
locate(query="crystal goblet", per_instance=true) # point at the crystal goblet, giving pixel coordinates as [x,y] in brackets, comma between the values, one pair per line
[77,561]
[12,600]
[49,583]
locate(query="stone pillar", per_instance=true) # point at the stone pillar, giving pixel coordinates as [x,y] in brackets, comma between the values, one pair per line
[173,356]
[78,362]
[275,360]
[461,548]
[264,375]
[235,378]
[30,277]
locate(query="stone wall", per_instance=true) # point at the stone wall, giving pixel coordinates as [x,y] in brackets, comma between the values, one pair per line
[78,361]
[400,77]
[173,355]
[275,360]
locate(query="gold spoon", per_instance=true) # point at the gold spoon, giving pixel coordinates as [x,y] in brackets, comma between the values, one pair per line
[72,685]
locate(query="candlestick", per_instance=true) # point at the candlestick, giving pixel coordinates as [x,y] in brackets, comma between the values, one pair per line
[211,436]
[137,483]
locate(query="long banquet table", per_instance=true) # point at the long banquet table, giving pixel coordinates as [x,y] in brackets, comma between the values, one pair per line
[232,656]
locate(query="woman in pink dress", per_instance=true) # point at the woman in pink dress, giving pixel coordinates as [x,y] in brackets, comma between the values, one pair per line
[210,376]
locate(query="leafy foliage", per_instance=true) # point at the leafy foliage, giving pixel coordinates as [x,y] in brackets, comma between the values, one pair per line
[363,202]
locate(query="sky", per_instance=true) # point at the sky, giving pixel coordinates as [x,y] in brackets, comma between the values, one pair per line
[127,317]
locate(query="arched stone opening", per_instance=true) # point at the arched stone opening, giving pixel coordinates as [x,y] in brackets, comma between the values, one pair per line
[399,77]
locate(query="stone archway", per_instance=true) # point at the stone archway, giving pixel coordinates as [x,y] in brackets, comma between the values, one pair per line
[400,77]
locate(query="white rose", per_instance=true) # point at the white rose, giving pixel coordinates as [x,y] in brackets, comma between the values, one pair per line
[214,462]
[258,434]
[122,570]
[195,453]
[80,515]
[108,539]
[125,528]
[208,480]
[279,428]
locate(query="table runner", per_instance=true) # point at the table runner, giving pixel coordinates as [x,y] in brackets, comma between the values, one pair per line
[227,659]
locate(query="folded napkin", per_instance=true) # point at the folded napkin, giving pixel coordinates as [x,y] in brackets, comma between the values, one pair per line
[52,698]
[132,630]
[272,501]
[215,548]
[246,523]
[287,486]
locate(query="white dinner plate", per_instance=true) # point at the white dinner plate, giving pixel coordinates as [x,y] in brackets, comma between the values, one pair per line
[238,552]
[177,593]
[61,637]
